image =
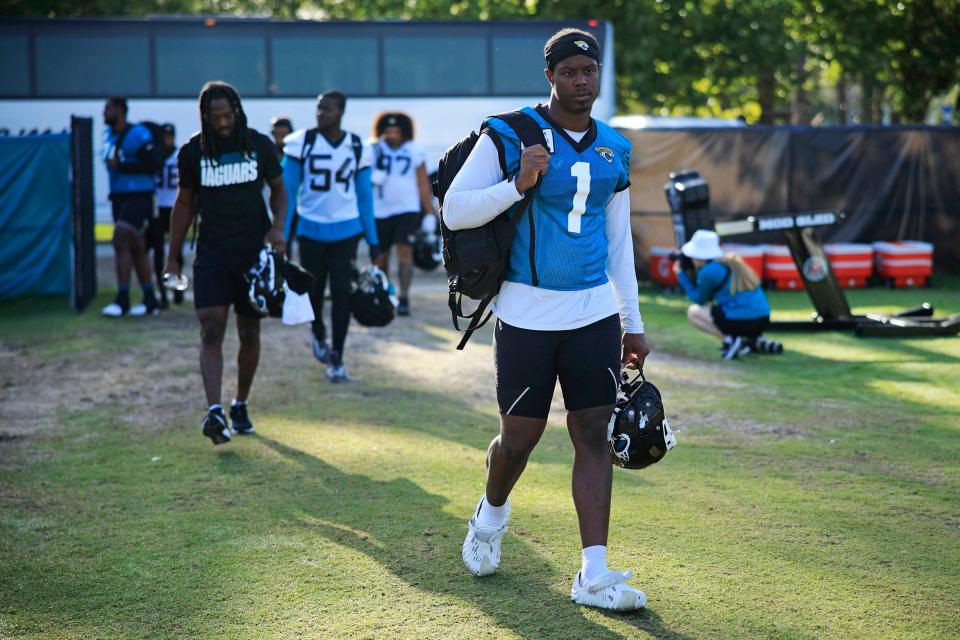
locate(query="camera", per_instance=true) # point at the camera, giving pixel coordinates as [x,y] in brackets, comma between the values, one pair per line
[686,264]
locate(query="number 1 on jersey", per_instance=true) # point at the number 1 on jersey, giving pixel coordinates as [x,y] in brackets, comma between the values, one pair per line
[580,171]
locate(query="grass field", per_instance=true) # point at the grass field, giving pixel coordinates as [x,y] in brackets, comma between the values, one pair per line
[812,495]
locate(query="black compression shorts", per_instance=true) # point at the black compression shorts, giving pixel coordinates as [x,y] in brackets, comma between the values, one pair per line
[529,363]
[398,229]
[218,280]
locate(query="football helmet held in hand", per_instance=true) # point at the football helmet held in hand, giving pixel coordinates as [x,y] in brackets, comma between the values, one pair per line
[638,431]
[427,253]
[372,301]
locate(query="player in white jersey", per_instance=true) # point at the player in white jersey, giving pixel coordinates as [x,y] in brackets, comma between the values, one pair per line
[401,195]
[157,228]
[327,173]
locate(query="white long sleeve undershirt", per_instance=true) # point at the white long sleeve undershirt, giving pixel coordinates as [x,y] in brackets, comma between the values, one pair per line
[480,192]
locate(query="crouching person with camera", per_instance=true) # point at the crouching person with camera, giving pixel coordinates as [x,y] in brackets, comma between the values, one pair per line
[740,312]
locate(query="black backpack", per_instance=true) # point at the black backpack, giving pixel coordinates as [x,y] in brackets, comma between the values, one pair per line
[151,157]
[476,260]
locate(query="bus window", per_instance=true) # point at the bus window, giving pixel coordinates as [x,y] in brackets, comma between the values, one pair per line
[421,64]
[92,65]
[186,62]
[305,66]
[14,64]
[518,64]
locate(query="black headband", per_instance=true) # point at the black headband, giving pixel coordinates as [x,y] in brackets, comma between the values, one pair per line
[574,44]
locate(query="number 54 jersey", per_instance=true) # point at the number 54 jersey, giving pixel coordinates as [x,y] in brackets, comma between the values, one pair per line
[328,192]
[561,243]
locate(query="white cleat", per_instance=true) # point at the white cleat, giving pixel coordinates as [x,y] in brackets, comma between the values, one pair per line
[481,547]
[608,591]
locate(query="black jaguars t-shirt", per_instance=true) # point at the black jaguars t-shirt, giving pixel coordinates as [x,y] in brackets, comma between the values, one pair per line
[233,215]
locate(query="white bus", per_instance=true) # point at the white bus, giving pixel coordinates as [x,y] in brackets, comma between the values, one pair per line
[446,75]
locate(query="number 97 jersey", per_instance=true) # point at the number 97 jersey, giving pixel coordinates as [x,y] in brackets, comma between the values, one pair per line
[328,192]
[561,243]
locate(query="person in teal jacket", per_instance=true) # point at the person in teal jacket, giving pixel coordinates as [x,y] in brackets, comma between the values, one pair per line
[739,312]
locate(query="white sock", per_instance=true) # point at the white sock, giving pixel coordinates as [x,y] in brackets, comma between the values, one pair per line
[237,403]
[215,406]
[594,562]
[490,516]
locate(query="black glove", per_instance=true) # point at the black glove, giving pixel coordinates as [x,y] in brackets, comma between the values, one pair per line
[374,252]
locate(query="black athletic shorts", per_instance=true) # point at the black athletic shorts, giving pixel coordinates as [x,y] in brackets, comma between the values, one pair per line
[744,328]
[529,363]
[398,229]
[218,280]
[132,210]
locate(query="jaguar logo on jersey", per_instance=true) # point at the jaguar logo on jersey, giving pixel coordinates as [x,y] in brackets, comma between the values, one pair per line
[815,268]
[233,168]
[605,152]
[583,45]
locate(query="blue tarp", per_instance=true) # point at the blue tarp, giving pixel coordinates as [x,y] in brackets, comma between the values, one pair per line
[35,207]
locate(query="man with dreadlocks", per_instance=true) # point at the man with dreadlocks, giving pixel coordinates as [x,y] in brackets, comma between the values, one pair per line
[222,171]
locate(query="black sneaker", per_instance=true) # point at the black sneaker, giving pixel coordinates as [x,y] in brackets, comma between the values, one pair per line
[321,350]
[733,349]
[403,307]
[763,345]
[336,370]
[214,426]
[726,344]
[239,419]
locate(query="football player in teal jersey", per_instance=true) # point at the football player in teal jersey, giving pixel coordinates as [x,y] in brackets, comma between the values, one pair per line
[568,309]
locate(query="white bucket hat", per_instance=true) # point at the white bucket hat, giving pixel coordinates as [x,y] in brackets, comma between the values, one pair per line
[704,245]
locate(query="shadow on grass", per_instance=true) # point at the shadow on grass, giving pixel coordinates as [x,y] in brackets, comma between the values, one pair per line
[405,530]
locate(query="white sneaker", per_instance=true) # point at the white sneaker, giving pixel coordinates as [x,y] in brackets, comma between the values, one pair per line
[143,310]
[112,310]
[481,547]
[608,591]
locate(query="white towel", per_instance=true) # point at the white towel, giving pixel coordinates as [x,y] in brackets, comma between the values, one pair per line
[296,307]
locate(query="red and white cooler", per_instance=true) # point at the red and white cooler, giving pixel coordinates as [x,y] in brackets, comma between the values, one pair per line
[904,264]
[749,253]
[852,263]
[661,268]
[779,268]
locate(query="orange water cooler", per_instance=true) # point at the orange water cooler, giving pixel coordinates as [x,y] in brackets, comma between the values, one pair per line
[852,264]
[779,269]
[904,264]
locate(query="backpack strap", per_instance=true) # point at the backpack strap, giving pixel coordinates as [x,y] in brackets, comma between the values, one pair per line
[309,139]
[357,145]
[527,129]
